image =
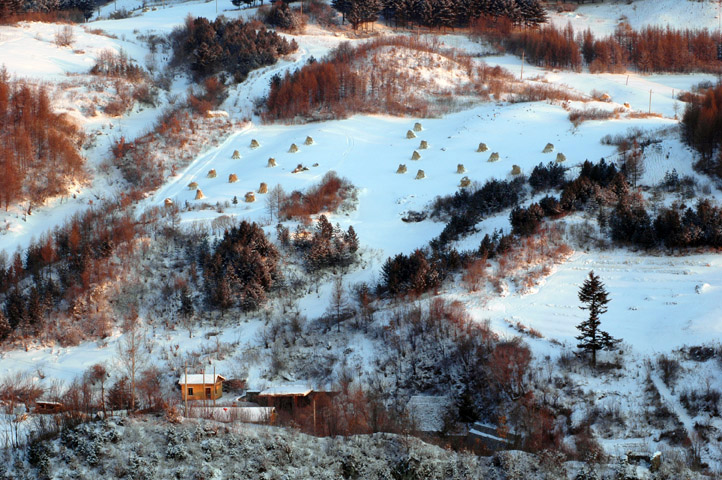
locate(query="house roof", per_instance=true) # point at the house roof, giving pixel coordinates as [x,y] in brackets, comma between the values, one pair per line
[286,390]
[199,378]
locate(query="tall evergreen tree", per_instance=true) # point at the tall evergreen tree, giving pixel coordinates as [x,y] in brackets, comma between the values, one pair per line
[595,298]
[532,12]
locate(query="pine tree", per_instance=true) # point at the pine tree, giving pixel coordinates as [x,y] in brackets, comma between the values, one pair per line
[595,298]
[532,12]
[343,6]
[4,326]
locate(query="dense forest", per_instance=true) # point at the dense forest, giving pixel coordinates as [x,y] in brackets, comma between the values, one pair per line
[231,46]
[651,49]
[39,149]
[702,128]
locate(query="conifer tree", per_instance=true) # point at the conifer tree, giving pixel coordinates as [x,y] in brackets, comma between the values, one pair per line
[595,298]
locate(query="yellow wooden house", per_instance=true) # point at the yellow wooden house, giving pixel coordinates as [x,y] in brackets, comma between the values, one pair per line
[201,386]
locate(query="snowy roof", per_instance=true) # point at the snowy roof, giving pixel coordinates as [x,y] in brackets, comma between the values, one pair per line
[199,378]
[282,390]
[428,411]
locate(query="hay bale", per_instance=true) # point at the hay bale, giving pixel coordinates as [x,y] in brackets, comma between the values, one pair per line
[482,148]
[199,194]
[250,197]
[420,174]
[549,148]
[423,145]
[494,157]
[299,168]
[271,162]
[561,158]
[232,178]
[626,105]
[254,143]
[192,185]
[401,169]
[293,148]
[236,155]
[309,141]
[416,155]
[212,173]
[168,202]
[417,127]
[465,182]
[263,188]
[515,169]
[410,134]
[460,168]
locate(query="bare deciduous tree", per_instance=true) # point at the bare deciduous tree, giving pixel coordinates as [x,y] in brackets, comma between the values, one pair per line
[134,350]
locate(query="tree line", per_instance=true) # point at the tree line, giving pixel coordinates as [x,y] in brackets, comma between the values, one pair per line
[702,128]
[439,13]
[231,46]
[39,149]
[48,10]
[651,49]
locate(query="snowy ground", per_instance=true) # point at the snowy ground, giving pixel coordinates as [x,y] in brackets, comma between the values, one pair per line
[659,303]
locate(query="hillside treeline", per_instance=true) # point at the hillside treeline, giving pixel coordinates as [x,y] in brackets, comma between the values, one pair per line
[440,13]
[39,149]
[702,128]
[343,83]
[47,10]
[651,49]
[231,46]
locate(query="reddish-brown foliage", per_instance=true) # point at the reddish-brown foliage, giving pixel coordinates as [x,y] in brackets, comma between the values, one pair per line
[39,149]
[328,195]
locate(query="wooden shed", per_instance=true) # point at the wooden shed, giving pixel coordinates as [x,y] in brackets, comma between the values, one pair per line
[45,406]
[201,386]
[287,398]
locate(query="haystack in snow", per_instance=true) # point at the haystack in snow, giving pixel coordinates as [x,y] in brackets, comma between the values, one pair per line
[561,157]
[232,178]
[199,194]
[263,188]
[254,143]
[212,173]
[192,185]
[250,197]
[271,162]
[465,182]
[309,141]
[293,148]
[401,169]
[410,134]
[416,155]
[423,145]
[482,148]
[168,202]
[515,169]
[299,168]
[236,155]
[549,148]
[420,174]
[460,168]
[494,157]
[417,127]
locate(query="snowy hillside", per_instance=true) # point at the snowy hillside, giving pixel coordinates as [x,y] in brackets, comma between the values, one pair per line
[654,392]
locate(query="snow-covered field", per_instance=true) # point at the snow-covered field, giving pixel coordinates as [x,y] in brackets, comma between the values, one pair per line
[658,303]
